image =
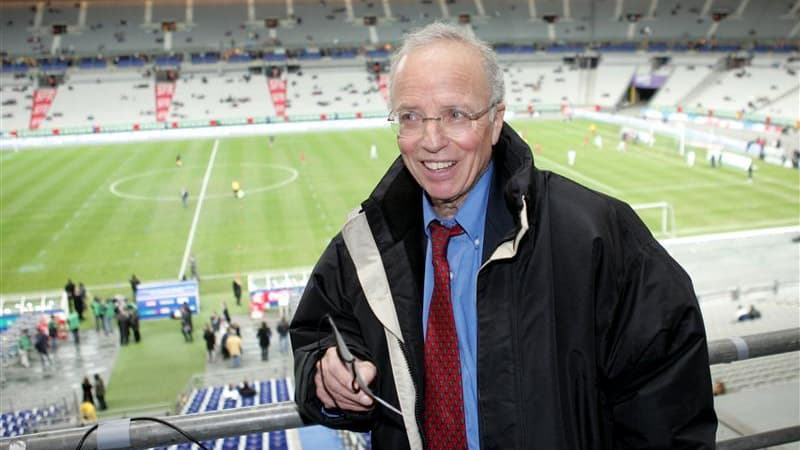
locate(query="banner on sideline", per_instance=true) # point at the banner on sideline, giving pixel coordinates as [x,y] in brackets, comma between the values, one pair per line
[159,300]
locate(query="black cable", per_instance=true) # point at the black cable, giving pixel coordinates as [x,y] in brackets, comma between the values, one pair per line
[152,419]
[174,427]
[86,435]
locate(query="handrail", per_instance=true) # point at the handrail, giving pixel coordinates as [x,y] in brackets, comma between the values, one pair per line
[282,416]
[761,440]
[738,348]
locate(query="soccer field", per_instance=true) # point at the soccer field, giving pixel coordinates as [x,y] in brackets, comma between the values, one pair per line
[100,213]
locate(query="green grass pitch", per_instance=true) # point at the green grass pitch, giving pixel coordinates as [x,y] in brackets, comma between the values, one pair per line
[98,214]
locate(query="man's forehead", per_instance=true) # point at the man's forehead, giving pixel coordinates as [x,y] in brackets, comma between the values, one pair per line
[445,73]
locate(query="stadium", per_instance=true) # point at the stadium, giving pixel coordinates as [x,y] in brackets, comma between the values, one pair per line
[190,144]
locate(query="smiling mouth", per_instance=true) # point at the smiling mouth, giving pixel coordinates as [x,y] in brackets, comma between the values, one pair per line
[438,165]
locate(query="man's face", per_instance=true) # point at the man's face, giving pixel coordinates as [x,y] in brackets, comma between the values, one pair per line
[431,81]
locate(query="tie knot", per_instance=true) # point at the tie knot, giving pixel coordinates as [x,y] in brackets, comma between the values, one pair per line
[441,234]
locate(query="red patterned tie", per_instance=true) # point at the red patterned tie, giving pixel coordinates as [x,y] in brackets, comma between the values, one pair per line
[444,404]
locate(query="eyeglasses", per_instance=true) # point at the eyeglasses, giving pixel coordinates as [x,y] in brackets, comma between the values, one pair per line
[349,360]
[455,122]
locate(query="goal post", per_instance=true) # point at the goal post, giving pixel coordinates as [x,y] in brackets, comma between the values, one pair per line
[659,217]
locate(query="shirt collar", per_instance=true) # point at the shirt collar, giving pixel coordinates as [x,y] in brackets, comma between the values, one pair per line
[472,214]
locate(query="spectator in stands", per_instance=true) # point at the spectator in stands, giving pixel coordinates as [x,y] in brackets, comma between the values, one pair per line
[88,413]
[97,312]
[215,322]
[52,331]
[590,333]
[230,393]
[225,313]
[237,289]
[134,285]
[24,345]
[69,288]
[78,300]
[283,334]
[246,390]
[86,386]
[223,342]
[100,392]
[134,323]
[211,339]
[186,322]
[109,312]
[74,324]
[264,333]
[234,346]
[744,313]
[40,344]
[124,324]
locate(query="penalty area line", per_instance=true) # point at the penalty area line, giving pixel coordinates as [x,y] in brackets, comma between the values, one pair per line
[200,198]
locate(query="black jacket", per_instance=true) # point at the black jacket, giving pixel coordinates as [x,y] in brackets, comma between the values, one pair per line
[589,333]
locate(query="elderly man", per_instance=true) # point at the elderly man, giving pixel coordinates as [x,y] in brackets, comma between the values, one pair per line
[474,301]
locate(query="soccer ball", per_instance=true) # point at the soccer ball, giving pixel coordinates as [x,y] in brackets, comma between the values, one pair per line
[240,194]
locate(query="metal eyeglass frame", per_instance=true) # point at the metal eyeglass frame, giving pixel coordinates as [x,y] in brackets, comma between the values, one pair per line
[394,122]
[349,360]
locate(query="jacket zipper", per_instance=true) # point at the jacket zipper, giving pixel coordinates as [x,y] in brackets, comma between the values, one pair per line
[417,396]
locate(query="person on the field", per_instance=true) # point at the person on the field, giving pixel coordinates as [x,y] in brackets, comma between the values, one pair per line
[475,301]
[236,187]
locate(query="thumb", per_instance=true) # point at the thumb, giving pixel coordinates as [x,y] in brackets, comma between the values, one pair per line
[367,370]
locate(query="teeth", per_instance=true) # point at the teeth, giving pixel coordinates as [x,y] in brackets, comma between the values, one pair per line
[438,165]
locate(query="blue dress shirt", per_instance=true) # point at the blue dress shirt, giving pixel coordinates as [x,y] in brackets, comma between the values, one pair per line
[464,257]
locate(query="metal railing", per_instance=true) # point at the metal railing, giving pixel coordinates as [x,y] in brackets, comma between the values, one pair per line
[141,433]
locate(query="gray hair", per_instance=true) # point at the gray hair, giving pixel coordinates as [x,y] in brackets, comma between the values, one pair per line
[445,32]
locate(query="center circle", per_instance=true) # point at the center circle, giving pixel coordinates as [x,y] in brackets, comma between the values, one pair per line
[115,187]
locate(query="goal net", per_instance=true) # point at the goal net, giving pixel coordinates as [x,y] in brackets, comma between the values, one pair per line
[659,217]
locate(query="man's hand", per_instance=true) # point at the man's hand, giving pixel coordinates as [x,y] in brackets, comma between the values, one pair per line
[336,387]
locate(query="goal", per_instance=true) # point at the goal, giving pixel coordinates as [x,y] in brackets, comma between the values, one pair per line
[659,217]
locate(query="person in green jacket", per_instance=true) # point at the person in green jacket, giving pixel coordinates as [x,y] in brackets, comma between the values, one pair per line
[74,324]
[24,344]
[108,314]
[98,311]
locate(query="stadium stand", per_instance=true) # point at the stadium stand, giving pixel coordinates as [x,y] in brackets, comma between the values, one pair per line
[684,73]
[16,423]
[332,90]
[211,398]
[16,92]
[88,96]
[744,89]
[235,94]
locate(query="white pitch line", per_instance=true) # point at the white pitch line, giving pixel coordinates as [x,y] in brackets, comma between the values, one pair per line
[566,170]
[196,218]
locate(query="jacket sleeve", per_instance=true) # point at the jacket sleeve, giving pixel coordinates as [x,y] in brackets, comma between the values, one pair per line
[655,371]
[332,289]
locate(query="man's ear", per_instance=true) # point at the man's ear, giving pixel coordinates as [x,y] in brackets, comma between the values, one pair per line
[497,123]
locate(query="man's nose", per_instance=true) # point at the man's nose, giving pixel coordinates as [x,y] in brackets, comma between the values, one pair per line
[433,138]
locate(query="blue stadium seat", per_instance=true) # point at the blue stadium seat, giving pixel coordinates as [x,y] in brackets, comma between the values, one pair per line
[265,393]
[231,443]
[277,440]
